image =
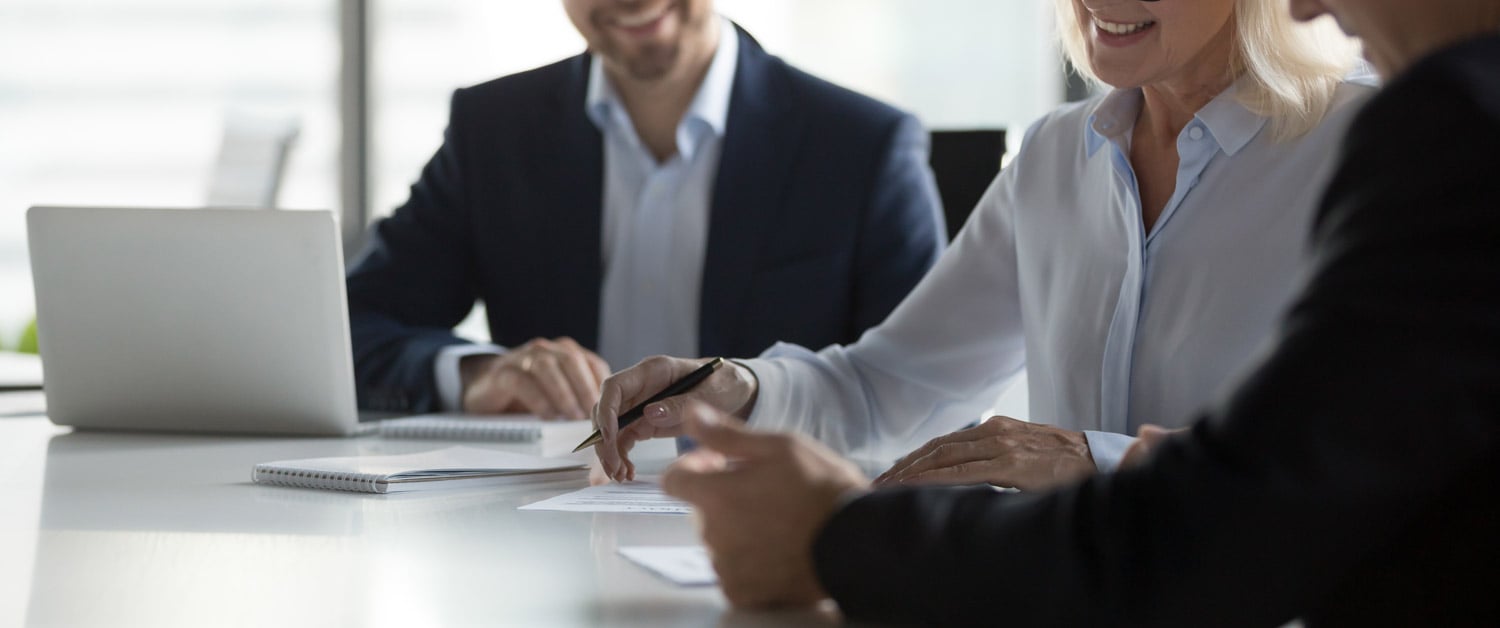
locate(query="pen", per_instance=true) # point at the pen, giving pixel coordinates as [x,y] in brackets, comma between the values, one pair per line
[678,387]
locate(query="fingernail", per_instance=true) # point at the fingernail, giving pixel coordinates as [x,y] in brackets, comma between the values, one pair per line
[656,411]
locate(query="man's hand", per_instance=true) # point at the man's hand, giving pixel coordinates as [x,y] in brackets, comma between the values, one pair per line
[1146,441]
[553,379]
[1001,451]
[761,500]
[731,389]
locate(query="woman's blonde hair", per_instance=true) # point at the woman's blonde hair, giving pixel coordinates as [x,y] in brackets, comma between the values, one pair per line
[1293,68]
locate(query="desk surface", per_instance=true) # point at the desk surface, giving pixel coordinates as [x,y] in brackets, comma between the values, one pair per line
[167,530]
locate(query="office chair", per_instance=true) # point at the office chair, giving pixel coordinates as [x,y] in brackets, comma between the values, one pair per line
[252,160]
[964,163]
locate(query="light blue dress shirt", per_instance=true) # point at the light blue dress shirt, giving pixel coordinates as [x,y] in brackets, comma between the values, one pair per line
[656,216]
[1055,273]
[655,225]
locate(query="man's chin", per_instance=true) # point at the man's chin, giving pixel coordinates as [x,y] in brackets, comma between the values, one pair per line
[652,67]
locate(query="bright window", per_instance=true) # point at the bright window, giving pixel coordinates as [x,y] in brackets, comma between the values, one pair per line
[954,63]
[122,102]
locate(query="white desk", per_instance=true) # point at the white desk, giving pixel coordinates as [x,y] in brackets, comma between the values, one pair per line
[161,530]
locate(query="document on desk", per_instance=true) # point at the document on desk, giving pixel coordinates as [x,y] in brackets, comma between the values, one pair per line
[686,565]
[637,497]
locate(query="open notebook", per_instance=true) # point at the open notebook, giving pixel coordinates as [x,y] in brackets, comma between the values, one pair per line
[453,467]
[499,427]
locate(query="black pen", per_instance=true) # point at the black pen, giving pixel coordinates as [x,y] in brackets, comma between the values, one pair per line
[678,387]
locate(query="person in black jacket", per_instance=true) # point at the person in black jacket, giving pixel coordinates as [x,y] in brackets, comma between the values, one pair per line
[1352,477]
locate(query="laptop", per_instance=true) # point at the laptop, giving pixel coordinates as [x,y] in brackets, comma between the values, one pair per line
[193,320]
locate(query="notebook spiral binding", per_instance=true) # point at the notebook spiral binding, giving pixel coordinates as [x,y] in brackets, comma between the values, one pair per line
[460,430]
[339,481]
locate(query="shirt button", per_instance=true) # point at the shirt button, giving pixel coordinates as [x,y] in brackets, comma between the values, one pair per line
[1195,133]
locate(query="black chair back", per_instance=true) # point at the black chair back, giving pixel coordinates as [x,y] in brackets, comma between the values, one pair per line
[964,163]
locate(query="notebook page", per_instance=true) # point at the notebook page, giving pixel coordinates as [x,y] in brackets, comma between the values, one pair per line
[452,460]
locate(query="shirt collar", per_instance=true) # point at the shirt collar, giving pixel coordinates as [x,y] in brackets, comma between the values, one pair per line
[1113,117]
[709,108]
[1231,124]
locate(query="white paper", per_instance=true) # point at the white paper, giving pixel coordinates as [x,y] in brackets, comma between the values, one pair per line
[683,565]
[639,497]
[451,461]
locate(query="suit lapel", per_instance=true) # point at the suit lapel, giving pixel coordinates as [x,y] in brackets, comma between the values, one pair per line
[760,134]
[570,179]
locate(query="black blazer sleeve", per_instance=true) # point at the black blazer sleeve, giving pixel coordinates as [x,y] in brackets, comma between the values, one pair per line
[1351,479]
[413,283]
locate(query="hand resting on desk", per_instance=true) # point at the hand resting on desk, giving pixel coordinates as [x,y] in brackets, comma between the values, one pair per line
[552,379]
[1010,453]
[1001,451]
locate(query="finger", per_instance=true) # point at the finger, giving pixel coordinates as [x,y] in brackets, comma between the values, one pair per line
[984,430]
[1153,434]
[1140,450]
[640,431]
[599,367]
[723,390]
[575,367]
[525,390]
[977,472]
[586,371]
[627,441]
[625,387]
[906,461]
[964,435]
[714,431]
[687,478]
[548,375]
[605,413]
[630,387]
[948,455]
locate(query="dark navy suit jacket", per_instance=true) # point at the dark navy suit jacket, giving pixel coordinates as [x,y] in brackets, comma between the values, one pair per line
[824,215]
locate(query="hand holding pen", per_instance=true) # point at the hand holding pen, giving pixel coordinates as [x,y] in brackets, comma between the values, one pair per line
[724,385]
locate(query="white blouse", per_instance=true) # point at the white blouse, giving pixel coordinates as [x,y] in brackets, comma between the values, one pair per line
[1055,273]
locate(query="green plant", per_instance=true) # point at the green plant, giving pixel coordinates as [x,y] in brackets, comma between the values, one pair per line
[28,339]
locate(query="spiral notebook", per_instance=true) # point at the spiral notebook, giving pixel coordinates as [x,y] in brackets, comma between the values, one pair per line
[497,427]
[453,467]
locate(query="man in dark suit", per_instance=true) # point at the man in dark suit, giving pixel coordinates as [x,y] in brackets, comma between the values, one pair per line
[675,190]
[1353,478]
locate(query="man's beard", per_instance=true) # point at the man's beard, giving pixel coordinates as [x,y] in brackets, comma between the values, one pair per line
[654,62]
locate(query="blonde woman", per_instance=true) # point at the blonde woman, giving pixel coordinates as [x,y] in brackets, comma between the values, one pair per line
[1348,481]
[1131,258]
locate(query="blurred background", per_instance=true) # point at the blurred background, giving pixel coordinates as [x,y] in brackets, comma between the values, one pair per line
[157,102]
[131,102]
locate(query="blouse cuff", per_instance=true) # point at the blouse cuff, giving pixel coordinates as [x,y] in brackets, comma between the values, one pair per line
[1107,449]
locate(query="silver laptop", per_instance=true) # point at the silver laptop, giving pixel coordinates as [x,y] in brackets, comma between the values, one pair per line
[193,320]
